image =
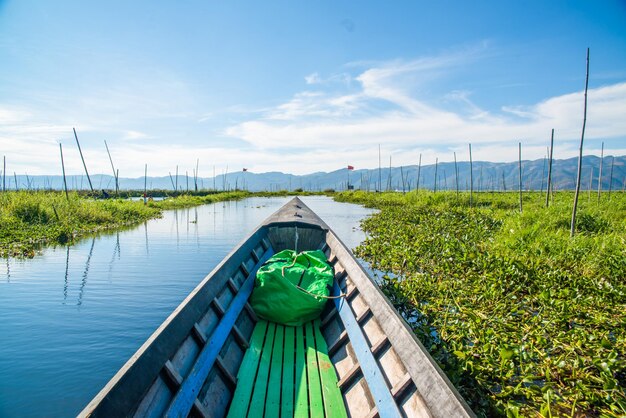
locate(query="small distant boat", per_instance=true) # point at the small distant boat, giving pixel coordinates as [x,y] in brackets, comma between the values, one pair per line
[213,357]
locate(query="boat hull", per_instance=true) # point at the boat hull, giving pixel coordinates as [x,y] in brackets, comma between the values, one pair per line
[190,364]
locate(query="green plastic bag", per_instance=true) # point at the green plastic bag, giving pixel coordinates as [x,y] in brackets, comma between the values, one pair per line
[292,289]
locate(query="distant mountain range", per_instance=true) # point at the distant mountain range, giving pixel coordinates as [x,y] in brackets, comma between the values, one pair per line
[486,176]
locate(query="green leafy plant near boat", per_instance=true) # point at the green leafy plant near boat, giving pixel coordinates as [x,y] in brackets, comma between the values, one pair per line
[523,319]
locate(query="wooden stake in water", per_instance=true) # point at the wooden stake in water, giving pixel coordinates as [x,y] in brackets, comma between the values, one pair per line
[113,168]
[63,167]
[600,175]
[389,179]
[195,175]
[611,176]
[435,184]
[380,173]
[145,185]
[520,177]
[550,169]
[419,170]
[456,174]
[580,153]
[590,184]
[543,173]
[83,159]
[471,175]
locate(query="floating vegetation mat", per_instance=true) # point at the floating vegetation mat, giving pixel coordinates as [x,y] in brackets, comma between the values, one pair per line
[523,319]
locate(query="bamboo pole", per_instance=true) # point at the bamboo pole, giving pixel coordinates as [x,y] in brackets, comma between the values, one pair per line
[145,185]
[83,159]
[471,175]
[63,167]
[172,181]
[550,169]
[543,174]
[112,168]
[456,174]
[600,175]
[195,175]
[16,184]
[435,184]
[4,174]
[580,153]
[176,188]
[611,176]
[520,176]
[380,174]
[590,184]
[419,171]
[389,177]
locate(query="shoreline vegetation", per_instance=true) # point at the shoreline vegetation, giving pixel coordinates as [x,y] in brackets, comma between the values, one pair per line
[523,319]
[30,220]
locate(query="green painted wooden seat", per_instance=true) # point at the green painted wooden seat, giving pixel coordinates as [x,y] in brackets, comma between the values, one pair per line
[286,372]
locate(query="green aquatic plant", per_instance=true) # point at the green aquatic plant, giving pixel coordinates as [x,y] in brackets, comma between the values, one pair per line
[523,319]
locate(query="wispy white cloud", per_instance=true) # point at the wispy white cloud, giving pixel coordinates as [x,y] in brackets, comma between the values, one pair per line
[389,108]
[329,124]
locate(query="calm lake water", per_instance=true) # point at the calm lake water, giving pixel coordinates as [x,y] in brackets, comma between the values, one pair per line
[72,316]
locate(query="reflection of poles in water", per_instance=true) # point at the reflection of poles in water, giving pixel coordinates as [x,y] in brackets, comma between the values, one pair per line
[145,226]
[85,273]
[187,221]
[116,250]
[8,270]
[67,269]
[195,226]
[177,236]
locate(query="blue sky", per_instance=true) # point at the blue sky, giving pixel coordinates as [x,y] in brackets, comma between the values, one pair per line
[305,86]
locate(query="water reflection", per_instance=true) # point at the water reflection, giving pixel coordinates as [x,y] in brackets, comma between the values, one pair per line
[145,227]
[67,269]
[85,273]
[116,251]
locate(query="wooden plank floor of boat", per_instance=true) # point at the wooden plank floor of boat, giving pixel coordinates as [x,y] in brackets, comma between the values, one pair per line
[286,372]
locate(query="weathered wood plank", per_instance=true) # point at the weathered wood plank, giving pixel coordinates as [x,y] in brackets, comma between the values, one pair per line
[190,388]
[333,401]
[247,372]
[286,409]
[438,393]
[385,403]
[302,395]
[257,403]
[316,405]
[272,403]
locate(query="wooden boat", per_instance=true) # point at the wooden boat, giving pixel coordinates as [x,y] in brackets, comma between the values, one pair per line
[214,357]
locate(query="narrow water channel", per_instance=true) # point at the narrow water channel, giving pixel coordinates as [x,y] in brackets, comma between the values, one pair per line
[72,316]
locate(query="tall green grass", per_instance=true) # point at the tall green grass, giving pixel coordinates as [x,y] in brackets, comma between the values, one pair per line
[523,319]
[29,219]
